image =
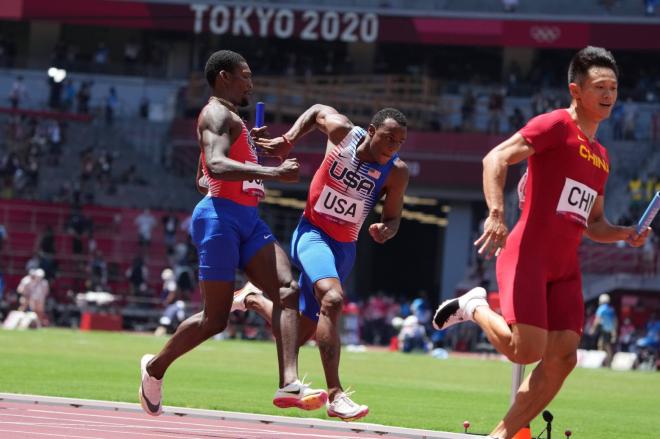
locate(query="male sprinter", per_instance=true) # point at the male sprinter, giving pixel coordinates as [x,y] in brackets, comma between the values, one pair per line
[229,234]
[538,271]
[359,168]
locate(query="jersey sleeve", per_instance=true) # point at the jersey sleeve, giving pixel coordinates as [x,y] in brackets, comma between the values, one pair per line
[545,131]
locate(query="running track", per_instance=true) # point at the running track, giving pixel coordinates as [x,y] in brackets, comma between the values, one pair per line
[42,417]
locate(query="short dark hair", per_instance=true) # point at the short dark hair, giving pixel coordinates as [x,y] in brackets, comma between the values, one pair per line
[589,57]
[221,60]
[389,113]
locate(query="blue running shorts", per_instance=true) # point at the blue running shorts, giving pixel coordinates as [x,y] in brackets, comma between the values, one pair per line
[318,256]
[227,235]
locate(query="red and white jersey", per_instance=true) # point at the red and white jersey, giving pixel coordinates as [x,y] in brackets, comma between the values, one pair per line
[565,175]
[345,189]
[246,192]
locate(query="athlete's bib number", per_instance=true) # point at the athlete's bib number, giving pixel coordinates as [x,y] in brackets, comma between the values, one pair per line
[254,187]
[576,201]
[338,206]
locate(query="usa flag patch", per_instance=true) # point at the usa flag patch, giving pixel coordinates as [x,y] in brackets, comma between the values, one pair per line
[373,173]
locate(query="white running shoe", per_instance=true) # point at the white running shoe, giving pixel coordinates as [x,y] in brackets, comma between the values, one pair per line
[151,393]
[457,310]
[239,296]
[299,394]
[345,409]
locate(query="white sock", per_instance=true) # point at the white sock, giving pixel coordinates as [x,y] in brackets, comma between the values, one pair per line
[472,304]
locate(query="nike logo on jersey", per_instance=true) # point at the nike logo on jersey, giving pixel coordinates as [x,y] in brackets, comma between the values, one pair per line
[267,236]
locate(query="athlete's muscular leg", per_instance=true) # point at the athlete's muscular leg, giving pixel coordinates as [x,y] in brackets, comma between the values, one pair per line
[522,344]
[195,329]
[264,307]
[541,386]
[262,268]
[330,295]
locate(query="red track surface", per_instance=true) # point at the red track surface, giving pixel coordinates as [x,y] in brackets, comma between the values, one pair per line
[25,420]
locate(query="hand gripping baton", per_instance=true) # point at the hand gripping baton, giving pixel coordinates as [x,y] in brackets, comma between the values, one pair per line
[259,115]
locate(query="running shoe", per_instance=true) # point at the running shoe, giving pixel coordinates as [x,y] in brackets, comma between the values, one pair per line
[344,408]
[239,296]
[299,394]
[150,391]
[454,311]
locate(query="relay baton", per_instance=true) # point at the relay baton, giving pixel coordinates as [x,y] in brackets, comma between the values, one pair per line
[259,115]
[650,213]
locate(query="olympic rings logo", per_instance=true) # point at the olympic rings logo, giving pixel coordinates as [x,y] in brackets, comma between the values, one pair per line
[545,34]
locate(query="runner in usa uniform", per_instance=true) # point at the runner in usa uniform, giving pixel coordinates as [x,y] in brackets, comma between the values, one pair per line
[538,271]
[360,167]
[229,234]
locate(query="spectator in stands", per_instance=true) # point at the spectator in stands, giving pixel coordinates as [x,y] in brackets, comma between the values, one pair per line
[33,290]
[589,335]
[145,222]
[170,225]
[137,275]
[104,171]
[608,5]
[375,326]
[131,54]
[510,5]
[111,106]
[605,325]
[516,120]
[33,262]
[413,336]
[68,95]
[17,93]
[76,226]
[131,176]
[46,250]
[184,280]
[55,94]
[649,7]
[495,108]
[626,335]
[468,108]
[97,272]
[31,172]
[420,309]
[54,142]
[174,312]
[101,56]
[144,107]
[83,97]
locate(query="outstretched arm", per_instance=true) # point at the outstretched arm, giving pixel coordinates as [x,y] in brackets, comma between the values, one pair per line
[496,163]
[390,218]
[328,120]
[322,117]
[599,228]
